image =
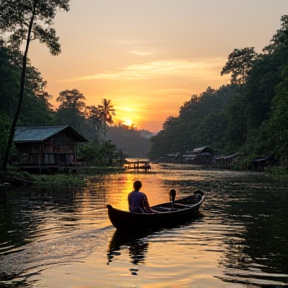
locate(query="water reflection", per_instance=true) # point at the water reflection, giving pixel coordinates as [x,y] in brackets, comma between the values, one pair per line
[134,242]
[257,229]
[242,240]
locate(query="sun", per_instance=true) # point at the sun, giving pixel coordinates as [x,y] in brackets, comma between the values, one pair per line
[127,122]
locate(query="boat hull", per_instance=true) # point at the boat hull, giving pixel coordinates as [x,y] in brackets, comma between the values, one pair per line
[166,214]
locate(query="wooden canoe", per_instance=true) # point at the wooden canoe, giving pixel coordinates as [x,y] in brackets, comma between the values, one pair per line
[166,214]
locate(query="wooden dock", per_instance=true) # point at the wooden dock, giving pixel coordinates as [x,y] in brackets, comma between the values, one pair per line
[137,165]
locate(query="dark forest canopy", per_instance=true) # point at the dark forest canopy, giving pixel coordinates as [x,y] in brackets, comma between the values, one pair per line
[250,115]
[20,23]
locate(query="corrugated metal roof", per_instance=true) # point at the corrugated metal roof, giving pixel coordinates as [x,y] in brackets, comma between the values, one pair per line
[41,133]
[200,149]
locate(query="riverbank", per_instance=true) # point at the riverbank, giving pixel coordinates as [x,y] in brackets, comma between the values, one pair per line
[18,179]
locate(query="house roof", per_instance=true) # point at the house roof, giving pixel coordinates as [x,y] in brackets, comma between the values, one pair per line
[231,156]
[42,133]
[261,159]
[202,149]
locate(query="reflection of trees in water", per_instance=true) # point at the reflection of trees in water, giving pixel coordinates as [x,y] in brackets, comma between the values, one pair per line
[258,242]
[135,243]
[25,212]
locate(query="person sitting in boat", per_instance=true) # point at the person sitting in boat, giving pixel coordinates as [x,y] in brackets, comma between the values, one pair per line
[137,200]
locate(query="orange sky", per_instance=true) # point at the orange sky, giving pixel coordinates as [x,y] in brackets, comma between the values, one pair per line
[149,56]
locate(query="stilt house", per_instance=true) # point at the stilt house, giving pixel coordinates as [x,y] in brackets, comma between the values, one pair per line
[47,147]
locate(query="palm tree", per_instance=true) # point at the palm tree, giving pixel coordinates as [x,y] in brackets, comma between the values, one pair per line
[106,111]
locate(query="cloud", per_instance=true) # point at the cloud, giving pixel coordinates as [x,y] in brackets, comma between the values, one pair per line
[137,47]
[142,52]
[176,68]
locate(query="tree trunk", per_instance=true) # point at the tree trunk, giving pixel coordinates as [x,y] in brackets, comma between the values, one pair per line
[21,94]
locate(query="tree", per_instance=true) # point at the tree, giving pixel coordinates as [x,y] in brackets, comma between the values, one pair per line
[275,129]
[71,109]
[239,63]
[94,116]
[36,109]
[260,89]
[4,132]
[9,84]
[278,122]
[99,155]
[280,38]
[236,130]
[106,112]
[170,121]
[24,21]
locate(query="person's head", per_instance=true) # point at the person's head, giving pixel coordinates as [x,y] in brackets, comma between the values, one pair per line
[137,185]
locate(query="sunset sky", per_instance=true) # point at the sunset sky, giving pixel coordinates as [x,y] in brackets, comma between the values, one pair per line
[149,56]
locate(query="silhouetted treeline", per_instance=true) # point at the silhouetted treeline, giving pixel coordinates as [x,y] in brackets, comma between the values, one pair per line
[250,115]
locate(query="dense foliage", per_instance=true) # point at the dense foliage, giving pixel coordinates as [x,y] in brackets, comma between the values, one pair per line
[20,23]
[250,115]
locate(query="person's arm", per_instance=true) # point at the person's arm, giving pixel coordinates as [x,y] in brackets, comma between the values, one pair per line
[146,205]
[129,201]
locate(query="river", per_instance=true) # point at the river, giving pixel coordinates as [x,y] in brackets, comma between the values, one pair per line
[62,238]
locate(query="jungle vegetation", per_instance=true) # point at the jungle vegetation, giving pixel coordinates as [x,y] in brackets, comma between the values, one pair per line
[249,115]
[23,22]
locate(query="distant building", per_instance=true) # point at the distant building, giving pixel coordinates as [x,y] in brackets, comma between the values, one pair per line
[49,148]
[226,161]
[200,155]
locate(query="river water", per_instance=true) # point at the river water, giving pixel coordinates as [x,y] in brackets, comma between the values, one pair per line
[63,238]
